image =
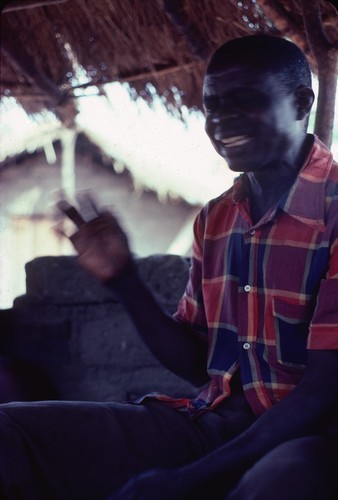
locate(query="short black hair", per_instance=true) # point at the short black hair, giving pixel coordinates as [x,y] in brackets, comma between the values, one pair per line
[270,53]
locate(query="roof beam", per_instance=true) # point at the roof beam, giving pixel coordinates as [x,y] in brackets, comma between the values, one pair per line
[24,64]
[29,4]
[175,10]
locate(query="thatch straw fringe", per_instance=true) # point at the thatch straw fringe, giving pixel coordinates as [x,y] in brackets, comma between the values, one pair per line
[139,41]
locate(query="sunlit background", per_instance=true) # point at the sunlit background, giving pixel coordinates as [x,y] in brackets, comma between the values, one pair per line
[153,151]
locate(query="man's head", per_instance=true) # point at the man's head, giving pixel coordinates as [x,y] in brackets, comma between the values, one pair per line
[268,53]
[257,97]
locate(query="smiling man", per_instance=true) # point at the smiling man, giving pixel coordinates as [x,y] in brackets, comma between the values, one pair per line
[257,326]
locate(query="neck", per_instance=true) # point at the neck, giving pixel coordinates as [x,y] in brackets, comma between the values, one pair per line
[267,186]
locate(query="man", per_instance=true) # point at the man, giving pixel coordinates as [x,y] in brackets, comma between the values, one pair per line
[257,326]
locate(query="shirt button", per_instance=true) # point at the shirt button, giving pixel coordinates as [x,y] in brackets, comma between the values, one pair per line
[246,346]
[252,232]
[247,288]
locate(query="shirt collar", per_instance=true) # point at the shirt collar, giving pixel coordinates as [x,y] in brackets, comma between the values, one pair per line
[306,198]
[305,201]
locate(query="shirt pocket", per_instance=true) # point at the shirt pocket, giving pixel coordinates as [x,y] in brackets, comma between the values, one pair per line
[291,330]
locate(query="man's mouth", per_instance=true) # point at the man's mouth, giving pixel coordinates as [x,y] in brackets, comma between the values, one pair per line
[236,140]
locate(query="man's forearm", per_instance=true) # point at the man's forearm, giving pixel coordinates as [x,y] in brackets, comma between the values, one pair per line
[176,347]
[301,413]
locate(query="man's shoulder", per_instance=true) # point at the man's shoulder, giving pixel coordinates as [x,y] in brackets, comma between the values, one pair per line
[217,205]
[321,167]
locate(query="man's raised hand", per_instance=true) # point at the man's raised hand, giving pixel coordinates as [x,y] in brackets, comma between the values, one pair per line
[101,244]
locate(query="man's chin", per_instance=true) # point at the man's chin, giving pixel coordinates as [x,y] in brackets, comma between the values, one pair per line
[243,165]
[238,163]
[238,166]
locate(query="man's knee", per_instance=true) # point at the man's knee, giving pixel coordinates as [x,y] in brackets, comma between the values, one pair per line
[302,469]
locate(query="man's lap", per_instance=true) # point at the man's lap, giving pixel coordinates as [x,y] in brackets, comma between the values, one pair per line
[86,450]
[73,450]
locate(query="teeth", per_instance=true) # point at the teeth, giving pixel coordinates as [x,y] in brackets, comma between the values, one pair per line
[237,140]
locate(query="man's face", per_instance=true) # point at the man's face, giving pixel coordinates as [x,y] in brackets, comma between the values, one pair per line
[250,118]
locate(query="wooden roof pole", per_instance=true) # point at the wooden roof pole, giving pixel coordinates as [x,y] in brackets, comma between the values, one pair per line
[24,64]
[68,173]
[326,55]
[195,40]
[323,57]
[28,4]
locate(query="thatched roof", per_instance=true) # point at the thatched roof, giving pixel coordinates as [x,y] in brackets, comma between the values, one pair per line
[165,42]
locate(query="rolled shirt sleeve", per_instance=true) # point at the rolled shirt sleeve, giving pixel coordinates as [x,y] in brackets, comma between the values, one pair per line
[324,324]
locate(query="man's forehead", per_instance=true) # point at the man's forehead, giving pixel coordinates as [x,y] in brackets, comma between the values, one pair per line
[252,63]
[238,75]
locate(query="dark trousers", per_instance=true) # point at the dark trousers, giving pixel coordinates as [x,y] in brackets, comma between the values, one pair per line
[80,451]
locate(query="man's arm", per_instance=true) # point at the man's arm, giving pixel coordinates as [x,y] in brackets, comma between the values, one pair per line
[104,252]
[300,413]
[173,343]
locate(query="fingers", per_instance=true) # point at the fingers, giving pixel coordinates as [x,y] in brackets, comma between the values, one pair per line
[87,206]
[85,212]
[90,222]
[71,212]
[100,242]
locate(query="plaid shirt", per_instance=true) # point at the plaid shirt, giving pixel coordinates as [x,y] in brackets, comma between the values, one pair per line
[262,294]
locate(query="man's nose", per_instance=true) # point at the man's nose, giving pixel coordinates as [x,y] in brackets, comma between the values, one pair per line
[227,110]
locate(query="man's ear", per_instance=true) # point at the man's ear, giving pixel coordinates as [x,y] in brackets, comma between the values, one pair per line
[304,100]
